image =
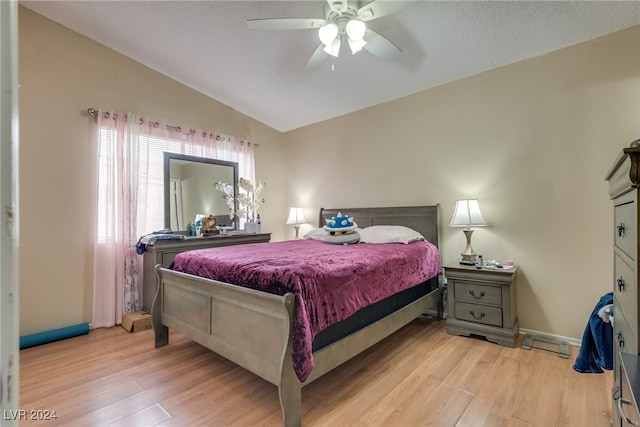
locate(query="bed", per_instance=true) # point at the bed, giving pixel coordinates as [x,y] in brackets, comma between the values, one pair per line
[273,328]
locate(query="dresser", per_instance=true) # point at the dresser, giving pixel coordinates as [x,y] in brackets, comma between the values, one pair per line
[624,179]
[163,252]
[482,302]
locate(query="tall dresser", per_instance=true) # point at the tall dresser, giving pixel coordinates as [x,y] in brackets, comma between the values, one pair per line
[624,183]
[164,251]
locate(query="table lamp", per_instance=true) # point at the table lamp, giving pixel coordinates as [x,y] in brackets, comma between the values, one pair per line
[296,217]
[467,214]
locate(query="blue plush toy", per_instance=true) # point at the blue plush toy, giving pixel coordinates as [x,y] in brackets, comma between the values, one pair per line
[340,224]
[342,230]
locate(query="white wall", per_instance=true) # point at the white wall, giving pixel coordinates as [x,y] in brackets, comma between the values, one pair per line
[62,74]
[532,141]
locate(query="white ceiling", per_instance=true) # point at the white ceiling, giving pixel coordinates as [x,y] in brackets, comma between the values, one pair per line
[207,46]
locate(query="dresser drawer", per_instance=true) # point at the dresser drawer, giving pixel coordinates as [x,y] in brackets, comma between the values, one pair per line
[479,314]
[625,289]
[626,381]
[624,334]
[625,228]
[167,258]
[475,293]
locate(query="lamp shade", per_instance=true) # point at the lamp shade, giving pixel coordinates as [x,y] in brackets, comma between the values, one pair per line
[296,216]
[356,45]
[328,33]
[355,29]
[467,214]
[333,48]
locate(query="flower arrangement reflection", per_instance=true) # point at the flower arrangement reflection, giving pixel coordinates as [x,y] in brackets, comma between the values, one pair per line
[248,198]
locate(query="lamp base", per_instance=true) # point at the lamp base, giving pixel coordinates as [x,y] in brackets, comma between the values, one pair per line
[468,255]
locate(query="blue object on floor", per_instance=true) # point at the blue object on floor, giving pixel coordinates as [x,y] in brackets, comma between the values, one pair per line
[596,351]
[27,341]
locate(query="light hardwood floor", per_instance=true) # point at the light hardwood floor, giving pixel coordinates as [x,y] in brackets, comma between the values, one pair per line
[417,377]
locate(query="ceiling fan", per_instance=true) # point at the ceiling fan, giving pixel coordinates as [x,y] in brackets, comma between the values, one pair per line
[343,20]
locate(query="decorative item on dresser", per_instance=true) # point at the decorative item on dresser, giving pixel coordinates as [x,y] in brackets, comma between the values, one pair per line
[624,181]
[163,252]
[483,302]
[246,199]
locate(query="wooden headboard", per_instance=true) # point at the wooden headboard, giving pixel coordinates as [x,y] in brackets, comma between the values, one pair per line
[423,219]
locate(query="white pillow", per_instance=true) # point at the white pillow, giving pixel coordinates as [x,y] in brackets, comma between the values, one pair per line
[316,234]
[389,234]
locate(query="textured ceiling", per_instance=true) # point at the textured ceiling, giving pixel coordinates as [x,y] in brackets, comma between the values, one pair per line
[207,46]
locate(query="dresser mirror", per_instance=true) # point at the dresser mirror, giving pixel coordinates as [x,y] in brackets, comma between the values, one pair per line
[189,190]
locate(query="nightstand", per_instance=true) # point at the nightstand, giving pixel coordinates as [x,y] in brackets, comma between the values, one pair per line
[482,302]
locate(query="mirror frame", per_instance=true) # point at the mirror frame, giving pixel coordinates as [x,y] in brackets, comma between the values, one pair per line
[184,157]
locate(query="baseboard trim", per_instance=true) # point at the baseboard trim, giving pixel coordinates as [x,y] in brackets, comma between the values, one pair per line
[571,341]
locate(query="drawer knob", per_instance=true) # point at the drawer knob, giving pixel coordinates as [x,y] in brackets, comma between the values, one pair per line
[620,282]
[473,294]
[620,229]
[620,340]
[473,313]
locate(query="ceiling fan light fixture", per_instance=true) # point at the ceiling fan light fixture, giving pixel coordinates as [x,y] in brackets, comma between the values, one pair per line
[356,45]
[328,34]
[355,29]
[333,48]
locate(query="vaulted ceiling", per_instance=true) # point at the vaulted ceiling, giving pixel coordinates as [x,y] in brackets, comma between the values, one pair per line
[208,46]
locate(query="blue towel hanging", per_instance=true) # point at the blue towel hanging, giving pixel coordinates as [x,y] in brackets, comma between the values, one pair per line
[596,351]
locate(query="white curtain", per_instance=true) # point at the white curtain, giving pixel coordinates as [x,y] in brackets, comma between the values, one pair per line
[130,199]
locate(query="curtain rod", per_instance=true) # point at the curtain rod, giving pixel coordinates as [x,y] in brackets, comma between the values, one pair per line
[94,113]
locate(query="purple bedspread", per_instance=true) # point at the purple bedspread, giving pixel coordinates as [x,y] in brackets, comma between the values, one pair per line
[330,282]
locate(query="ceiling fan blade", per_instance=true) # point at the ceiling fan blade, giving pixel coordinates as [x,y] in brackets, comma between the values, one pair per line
[317,58]
[338,6]
[380,46]
[285,23]
[379,8]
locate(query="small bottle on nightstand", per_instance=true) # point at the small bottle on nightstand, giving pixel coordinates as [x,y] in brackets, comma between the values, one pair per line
[479,261]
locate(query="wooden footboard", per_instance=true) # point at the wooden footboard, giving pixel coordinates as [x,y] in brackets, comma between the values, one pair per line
[248,327]
[253,329]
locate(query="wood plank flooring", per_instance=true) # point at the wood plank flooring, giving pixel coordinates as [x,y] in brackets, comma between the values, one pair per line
[420,376]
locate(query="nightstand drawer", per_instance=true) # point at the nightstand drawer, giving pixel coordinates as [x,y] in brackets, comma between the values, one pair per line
[475,293]
[479,313]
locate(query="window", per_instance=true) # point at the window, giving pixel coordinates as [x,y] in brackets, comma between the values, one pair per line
[130,199]
[147,159]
